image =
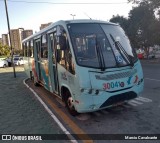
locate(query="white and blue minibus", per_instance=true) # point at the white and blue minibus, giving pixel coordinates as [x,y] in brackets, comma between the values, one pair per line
[89,64]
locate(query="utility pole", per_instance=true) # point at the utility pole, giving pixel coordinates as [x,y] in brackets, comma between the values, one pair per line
[73,15]
[9,31]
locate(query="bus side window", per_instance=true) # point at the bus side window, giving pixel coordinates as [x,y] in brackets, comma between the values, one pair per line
[64,58]
[64,55]
[32,50]
[60,56]
[69,61]
[27,48]
[23,49]
[44,48]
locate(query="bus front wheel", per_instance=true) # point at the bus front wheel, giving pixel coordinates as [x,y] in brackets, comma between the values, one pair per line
[69,104]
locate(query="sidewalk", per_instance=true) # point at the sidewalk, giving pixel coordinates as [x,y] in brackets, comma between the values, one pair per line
[20,112]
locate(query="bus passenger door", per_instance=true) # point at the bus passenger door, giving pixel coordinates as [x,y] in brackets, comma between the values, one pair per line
[52,64]
[37,59]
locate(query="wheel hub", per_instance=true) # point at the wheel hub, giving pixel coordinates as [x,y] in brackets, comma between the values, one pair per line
[70,103]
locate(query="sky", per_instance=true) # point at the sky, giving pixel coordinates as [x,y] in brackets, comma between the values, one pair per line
[28,15]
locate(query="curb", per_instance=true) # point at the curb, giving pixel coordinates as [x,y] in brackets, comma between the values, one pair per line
[72,139]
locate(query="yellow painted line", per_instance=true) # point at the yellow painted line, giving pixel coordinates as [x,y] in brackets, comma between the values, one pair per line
[76,129]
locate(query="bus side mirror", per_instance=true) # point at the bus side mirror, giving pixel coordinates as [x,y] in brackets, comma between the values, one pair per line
[62,42]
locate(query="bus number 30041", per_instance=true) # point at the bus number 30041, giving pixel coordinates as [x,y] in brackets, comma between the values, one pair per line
[113,85]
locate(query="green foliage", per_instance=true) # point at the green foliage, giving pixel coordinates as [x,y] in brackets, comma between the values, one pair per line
[4,50]
[142,28]
[153,4]
[120,20]
[141,23]
[18,52]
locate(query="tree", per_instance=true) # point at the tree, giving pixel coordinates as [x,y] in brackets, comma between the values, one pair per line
[153,4]
[4,50]
[143,27]
[122,21]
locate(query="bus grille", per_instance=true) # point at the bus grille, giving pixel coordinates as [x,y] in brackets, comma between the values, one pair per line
[117,75]
[119,98]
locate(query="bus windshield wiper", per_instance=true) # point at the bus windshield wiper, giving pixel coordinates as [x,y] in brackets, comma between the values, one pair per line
[120,48]
[100,56]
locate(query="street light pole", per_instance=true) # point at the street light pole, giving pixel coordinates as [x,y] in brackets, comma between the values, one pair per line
[9,31]
[73,15]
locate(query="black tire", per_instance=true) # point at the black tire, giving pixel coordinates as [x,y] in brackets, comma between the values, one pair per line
[4,65]
[9,64]
[68,99]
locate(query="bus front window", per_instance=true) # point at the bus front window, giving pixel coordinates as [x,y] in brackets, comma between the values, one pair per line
[93,48]
[120,41]
[88,41]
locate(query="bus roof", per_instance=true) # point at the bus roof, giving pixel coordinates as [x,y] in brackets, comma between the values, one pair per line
[62,22]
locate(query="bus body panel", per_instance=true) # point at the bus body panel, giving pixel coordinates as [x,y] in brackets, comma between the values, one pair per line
[98,95]
[44,73]
[91,88]
[28,65]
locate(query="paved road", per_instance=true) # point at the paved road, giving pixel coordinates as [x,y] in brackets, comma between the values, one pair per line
[138,116]
[20,112]
[19,108]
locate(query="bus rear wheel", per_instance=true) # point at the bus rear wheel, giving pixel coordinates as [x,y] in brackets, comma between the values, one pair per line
[69,103]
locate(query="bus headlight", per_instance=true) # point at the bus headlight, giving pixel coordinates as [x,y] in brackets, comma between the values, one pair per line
[82,90]
[140,81]
[89,91]
[97,92]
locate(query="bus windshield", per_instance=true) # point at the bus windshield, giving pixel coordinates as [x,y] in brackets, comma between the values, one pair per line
[101,45]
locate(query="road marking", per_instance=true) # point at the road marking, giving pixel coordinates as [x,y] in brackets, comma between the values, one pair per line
[75,128]
[51,114]
[143,99]
[132,104]
[60,101]
[126,105]
[153,79]
[78,131]
[136,102]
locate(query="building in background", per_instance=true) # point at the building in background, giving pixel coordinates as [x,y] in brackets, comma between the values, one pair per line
[16,38]
[17,35]
[5,39]
[45,25]
[26,33]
